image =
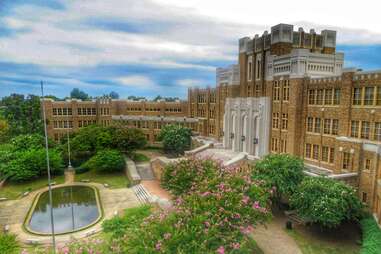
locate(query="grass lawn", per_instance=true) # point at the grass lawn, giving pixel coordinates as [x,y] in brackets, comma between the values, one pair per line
[12,190]
[312,245]
[139,157]
[114,180]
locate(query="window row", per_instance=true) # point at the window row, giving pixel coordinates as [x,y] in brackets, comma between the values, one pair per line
[62,111]
[330,126]
[84,123]
[283,86]
[362,129]
[134,109]
[173,110]
[105,111]
[87,111]
[329,96]
[62,124]
[366,96]
[318,67]
[326,154]
[278,145]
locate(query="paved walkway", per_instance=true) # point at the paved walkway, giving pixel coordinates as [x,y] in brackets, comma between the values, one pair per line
[13,213]
[273,239]
[144,170]
[154,188]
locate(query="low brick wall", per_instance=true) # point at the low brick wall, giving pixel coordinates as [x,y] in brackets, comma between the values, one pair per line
[158,164]
[131,172]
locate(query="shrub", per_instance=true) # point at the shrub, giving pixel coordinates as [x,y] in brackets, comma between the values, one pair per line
[176,138]
[283,171]
[8,244]
[180,177]
[30,164]
[107,161]
[326,201]
[128,140]
[371,236]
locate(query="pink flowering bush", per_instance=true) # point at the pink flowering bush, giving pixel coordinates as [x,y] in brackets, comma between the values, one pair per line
[216,214]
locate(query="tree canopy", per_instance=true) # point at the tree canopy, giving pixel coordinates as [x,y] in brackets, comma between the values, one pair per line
[106,160]
[176,138]
[76,93]
[325,201]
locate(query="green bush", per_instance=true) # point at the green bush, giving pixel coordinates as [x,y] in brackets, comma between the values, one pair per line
[132,218]
[371,236]
[180,177]
[175,138]
[107,161]
[8,244]
[326,201]
[282,171]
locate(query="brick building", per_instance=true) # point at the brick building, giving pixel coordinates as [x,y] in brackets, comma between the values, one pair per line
[327,115]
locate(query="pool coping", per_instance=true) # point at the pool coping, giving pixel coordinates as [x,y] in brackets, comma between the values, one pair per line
[26,221]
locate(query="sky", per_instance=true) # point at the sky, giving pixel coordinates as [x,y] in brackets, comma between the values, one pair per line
[157,47]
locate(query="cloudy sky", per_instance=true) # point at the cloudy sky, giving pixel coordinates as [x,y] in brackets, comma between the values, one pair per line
[150,47]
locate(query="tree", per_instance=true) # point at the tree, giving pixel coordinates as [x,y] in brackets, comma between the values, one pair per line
[107,161]
[23,114]
[135,98]
[326,201]
[76,93]
[4,130]
[114,95]
[128,140]
[282,171]
[176,138]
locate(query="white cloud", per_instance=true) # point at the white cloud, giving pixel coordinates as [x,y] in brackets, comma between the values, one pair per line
[191,82]
[137,81]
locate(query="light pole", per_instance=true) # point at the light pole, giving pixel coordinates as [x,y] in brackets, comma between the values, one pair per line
[48,167]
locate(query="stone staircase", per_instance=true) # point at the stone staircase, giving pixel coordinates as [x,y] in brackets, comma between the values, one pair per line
[142,194]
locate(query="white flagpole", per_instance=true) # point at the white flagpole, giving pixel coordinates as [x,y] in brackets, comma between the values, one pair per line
[48,166]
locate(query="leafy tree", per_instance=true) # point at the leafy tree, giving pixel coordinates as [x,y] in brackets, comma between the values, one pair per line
[326,201]
[114,95]
[31,164]
[29,141]
[176,138]
[76,93]
[135,98]
[282,171]
[107,160]
[23,114]
[4,130]
[128,140]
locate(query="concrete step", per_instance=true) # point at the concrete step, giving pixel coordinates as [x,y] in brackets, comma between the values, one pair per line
[142,194]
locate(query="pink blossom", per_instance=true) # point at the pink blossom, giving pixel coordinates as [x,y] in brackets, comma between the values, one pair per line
[205,194]
[158,246]
[221,250]
[235,246]
[167,236]
[256,205]
[245,199]
[207,224]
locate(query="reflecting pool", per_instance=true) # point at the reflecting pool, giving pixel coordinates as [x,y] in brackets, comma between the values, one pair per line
[74,207]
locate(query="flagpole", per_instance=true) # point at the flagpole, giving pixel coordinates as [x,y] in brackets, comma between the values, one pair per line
[48,166]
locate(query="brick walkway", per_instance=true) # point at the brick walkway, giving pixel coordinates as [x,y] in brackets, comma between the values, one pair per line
[154,188]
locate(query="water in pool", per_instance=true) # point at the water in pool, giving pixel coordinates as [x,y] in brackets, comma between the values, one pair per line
[74,207]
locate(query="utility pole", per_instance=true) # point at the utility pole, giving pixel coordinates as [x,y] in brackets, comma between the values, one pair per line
[48,167]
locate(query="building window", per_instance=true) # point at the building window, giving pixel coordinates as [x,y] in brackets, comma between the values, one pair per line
[331,155]
[357,94]
[284,121]
[250,69]
[325,153]
[275,120]
[346,160]
[364,197]
[336,97]
[276,92]
[308,151]
[378,96]
[274,144]
[286,90]
[327,126]
[315,154]
[377,131]
[335,127]
[283,148]
[328,97]
[365,126]
[354,129]
[59,111]
[319,96]
[310,124]
[311,97]
[369,96]
[317,125]
[258,68]
[367,164]
[54,111]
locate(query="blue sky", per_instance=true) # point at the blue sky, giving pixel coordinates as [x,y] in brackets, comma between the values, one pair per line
[151,47]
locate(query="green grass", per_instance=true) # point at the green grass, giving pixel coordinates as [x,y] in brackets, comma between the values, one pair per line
[13,190]
[371,236]
[139,157]
[9,244]
[114,180]
[309,245]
